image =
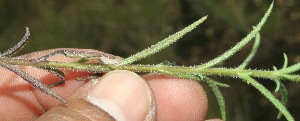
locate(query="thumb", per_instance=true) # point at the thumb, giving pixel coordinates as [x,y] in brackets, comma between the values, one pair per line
[118,95]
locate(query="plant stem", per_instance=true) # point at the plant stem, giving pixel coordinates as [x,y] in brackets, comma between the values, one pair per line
[95,67]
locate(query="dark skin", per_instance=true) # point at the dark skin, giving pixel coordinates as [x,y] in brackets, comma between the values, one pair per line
[20,101]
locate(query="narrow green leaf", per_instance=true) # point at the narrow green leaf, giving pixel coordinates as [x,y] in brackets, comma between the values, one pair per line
[202,77]
[221,84]
[162,44]
[278,83]
[283,73]
[291,69]
[252,53]
[284,97]
[219,96]
[239,45]
[268,95]
[290,77]
[285,63]
[56,72]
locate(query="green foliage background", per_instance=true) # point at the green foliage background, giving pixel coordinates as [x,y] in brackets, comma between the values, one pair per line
[124,27]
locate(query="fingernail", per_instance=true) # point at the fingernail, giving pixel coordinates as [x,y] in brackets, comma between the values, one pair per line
[124,95]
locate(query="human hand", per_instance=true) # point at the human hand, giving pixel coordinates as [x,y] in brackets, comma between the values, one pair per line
[122,94]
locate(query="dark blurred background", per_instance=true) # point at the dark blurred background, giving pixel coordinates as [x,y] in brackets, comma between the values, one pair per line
[124,27]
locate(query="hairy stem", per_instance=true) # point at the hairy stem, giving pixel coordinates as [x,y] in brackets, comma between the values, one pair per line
[95,67]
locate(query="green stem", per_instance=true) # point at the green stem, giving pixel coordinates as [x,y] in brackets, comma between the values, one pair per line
[94,67]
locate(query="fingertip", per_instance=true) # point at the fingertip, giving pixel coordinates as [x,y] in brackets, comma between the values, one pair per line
[178,99]
[124,95]
[118,95]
